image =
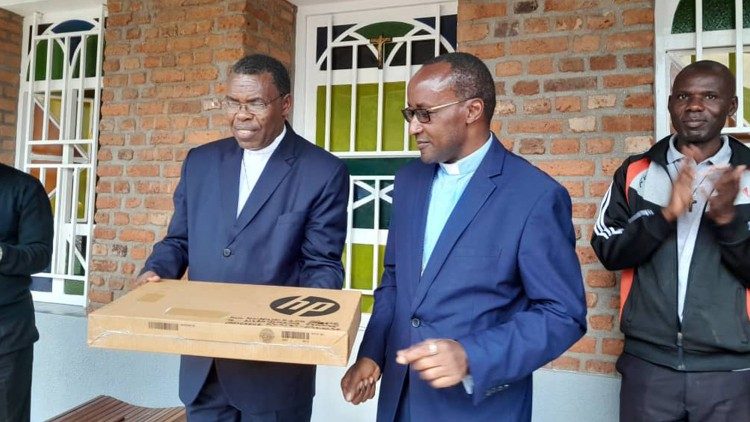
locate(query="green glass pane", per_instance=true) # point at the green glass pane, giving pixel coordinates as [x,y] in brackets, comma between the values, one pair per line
[375,166]
[366,118]
[73,287]
[82,192]
[717,15]
[362,217]
[394,95]
[340,117]
[92,43]
[361,271]
[386,29]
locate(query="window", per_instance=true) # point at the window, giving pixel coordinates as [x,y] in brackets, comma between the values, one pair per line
[57,135]
[691,30]
[350,86]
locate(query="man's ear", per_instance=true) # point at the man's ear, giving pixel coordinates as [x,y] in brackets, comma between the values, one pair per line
[476,110]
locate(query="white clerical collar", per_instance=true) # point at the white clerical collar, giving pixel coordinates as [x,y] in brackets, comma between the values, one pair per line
[469,163]
[269,149]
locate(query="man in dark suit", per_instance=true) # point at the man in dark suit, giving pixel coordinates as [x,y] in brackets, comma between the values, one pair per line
[481,284]
[263,207]
[26,232]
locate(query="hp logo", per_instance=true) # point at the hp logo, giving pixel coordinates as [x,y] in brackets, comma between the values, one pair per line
[310,306]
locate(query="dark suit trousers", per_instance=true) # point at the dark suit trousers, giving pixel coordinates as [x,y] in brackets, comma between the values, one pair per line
[213,405]
[15,385]
[656,393]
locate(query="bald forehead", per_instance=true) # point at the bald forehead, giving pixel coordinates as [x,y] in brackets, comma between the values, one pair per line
[438,74]
[723,77]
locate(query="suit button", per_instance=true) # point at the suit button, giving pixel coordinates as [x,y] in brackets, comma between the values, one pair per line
[227,252]
[415,322]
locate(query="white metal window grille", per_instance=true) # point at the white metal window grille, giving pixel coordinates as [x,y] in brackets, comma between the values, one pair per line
[354,67]
[57,139]
[691,30]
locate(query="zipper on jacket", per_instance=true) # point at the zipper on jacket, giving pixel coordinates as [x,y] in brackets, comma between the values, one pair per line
[680,357]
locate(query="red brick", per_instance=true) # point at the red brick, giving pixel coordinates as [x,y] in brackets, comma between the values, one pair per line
[601,322]
[509,68]
[540,67]
[600,367]
[591,300]
[597,189]
[472,32]
[537,106]
[639,101]
[483,51]
[566,167]
[606,62]
[568,104]
[571,65]
[575,189]
[605,21]
[600,146]
[639,60]
[585,345]
[612,346]
[625,81]
[638,16]
[100,296]
[535,126]
[630,40]
[566,363]
[470,12]
[526,88]
[570,84]
[565,146]
[539,46]
[532,146]
[586,43]
[627,123]
[600,278]
[536,25]
[584,210]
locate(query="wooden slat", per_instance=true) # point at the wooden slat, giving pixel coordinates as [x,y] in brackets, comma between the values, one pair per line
[108,409]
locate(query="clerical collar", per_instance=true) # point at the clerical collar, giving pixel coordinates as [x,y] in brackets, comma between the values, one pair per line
[269,149]
[468,164]
[722,156]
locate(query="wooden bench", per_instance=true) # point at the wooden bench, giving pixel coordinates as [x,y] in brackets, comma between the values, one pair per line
[108,409]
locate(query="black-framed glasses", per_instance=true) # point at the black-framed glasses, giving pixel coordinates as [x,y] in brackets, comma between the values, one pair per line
[423,114]
[253,107]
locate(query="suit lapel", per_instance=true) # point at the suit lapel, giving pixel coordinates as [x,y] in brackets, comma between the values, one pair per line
[418,210]
[229,183]
[478,190]
[275,171]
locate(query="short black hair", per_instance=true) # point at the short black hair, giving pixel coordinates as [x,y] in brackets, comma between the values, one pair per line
[470,79]
[255,64]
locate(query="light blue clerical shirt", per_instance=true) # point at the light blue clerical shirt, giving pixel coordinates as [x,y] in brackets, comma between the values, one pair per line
[447,187]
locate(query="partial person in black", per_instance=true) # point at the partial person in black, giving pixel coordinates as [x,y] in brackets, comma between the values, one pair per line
[26,230]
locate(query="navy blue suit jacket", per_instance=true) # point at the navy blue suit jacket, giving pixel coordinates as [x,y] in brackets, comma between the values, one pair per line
[503,280]
[290,232]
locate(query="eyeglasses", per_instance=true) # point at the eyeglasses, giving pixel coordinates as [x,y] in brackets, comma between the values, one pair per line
[423,114]
[253,107]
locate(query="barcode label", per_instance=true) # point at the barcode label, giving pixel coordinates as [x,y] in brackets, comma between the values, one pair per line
[295,335]
[162,326]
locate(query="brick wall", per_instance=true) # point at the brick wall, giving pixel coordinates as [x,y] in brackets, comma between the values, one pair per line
[10,65]
[574,80]
[164,60]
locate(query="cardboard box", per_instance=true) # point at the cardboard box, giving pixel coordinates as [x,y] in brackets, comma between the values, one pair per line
[227,320]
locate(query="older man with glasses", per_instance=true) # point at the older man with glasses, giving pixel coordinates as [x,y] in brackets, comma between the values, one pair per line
[264,206]
[481,284]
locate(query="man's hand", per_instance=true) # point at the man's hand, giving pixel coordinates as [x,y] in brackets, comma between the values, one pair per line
[358,384]
[682,189]
[147,277]
[721,203]
[442,363]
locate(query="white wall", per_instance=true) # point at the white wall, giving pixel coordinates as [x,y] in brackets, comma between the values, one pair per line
[67,373]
